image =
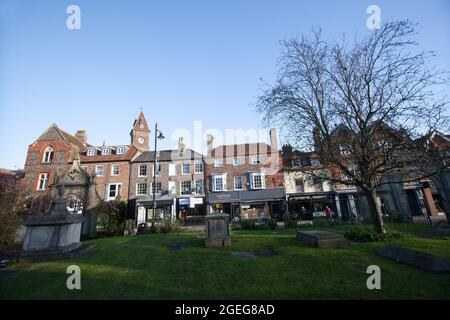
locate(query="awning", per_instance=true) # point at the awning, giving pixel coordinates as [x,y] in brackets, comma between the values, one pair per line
[313,196]
[246,196]
[147,201]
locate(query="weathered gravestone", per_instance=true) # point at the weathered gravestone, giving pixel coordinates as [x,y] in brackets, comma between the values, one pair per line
[53,233]
[322,239]
[218,230]
[414,258]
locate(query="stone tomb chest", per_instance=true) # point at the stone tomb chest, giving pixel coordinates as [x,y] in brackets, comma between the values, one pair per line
[218,230]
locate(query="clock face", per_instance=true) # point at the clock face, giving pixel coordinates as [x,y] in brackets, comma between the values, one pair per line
[142,126]
[141,140]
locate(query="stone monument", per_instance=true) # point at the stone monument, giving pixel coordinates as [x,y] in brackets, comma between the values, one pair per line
[218,230]
[322,239]
[54,233]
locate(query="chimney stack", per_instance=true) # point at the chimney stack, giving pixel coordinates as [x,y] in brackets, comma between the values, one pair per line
[82,136]
[273,140]
[181,146]
[210,143]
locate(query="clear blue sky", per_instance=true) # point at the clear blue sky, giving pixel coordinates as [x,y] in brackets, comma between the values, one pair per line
[179,60]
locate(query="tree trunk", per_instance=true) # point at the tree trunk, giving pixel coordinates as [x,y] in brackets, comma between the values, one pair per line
[375,211]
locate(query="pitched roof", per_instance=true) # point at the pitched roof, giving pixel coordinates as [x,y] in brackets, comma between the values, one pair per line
[67,137]
[168,155]
[112,157]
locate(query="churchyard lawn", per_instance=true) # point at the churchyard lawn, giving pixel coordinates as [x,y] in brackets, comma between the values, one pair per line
[177,266]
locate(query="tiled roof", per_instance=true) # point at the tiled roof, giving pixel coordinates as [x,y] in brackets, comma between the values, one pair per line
[168,155]
[131,152]
[72,139]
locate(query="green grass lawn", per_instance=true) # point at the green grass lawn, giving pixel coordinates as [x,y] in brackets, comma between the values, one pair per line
[143,267]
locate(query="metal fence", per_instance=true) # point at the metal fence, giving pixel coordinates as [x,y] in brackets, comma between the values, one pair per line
[422,219]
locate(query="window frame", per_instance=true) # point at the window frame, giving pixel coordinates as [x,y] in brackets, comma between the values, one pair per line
[139,170]
[112,170]
[106,153]
[103,170]
[218,163]
[242,182]
[118,190]
[202,189]
[45,181]
[122,149]
[199,163]
[182,169]
[49,154]
[182,192]
[90,152]
[140,184]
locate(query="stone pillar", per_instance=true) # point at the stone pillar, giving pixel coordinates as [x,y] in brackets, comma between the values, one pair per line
[338,206]
[429,201]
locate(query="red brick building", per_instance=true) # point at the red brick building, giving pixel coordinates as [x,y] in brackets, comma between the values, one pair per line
[55,150]
[245,179]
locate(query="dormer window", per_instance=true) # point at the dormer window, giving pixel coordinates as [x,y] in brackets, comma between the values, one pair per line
[120,150]
[106,151]
[90,152]
[48,155]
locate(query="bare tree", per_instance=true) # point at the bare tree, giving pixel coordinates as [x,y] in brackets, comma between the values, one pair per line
[366,104]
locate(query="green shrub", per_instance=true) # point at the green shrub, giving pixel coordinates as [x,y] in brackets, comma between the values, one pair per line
[9,220]
[365,233]
[168,226]
[397,217]
[272,225]
[290,223]
[111,217]
[248,225]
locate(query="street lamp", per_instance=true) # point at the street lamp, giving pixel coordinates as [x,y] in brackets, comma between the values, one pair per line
[158,135]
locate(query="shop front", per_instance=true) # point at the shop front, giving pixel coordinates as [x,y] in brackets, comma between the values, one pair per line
[306,206]
[254,204]
[190,208]
[165,208]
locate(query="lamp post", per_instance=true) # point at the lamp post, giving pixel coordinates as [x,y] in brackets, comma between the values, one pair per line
[158,135]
